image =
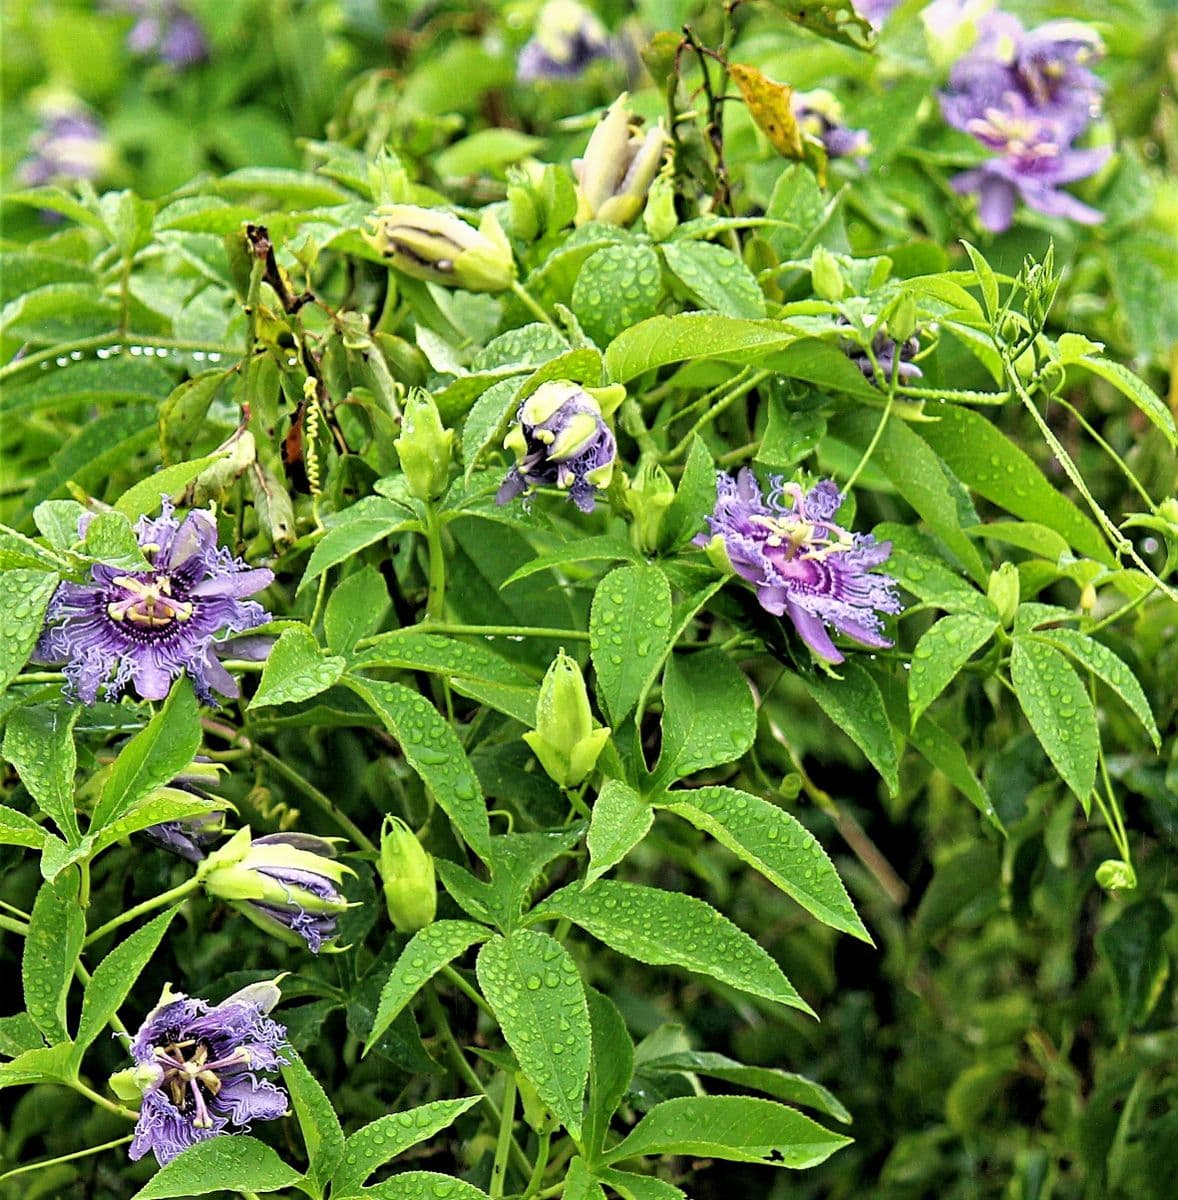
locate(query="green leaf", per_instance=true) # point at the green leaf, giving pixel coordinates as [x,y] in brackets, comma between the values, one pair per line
[296,669]
[629,628]
[823,365]
[20,552]
[18,830]
[156,754]
[1059,711]
[1134,946]
[114,978]
[667,928]
[1106,666]
[985,460]
[941,653]
[781,1085]
[709,715]
[695,498]
[182,414]
[579,1182]
[603,548]
[929,578]
[423,1185]
[621,819]
[51,951]
[241,1162]
[617,287]
[91,455]
[297,189]
[366,522]
[356,608]
[774,843]
[427,952]
[484,151]
[611,1067]
[533,986]
[919,476]
[690,337]
[986,280]
[410,650]
[39,742]
[24,596]
[432,749]
[716,277]
[380,1141]
[110,539]
[320,1127]
[855,705]
[735,1128]
[144,497]
[45,1064]
[631,1186]
[1136,390]
[946,753]
[115,381]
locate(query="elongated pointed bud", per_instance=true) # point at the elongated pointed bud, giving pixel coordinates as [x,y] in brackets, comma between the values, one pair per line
[648,497]
[424,446]
[564,739]
[442,248]
[618,168]
[1003,592]
[407,874]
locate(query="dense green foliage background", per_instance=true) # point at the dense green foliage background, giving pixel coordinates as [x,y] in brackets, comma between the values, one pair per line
[1011,1032]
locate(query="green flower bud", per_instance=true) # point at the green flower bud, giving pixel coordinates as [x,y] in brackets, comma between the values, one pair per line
[424,446]
[1116,876]
[648,498]
[825,275]
[407,873]
[441,248]
[1003,592]
[618,168]
[659,216]
[564,739]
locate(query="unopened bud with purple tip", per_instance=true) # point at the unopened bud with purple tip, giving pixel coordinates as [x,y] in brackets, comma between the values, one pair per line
[442,248]
[189,837]
[286,883]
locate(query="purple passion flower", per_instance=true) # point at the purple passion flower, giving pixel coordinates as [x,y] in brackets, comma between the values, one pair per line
[164,29]
[567,39]
[70,145]
[1034,162]
[560,439]
[286,883]
[198,1067]
[803,565]
[875,12]
[149,627]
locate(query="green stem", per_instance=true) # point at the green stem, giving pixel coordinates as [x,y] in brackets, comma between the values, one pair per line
[40,677]
[725,402]
[883,420]
[308,789]
[1087,427]
[172,896]
[541,1162]
[14,926]
[520,631]
[525,298]
[101,340]
[102,1102]
[503,1146]
[453,976]
[1118,541]
[442,1027]
[1123,611]
[63,1158]
[436,604]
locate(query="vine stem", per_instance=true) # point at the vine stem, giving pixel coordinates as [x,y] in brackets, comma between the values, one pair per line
[63,1158]
[526,299]
[436,604]
[14,926]
[1118,541]
[101,340]
[541,1163]
[519,631]
[503,1146]
[172,896]
[321,801]
[883,420]
[725,402]
[119,1111]
[442,1027]
[450,974]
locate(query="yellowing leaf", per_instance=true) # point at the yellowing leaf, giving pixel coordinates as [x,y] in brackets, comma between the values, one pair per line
[769,105]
